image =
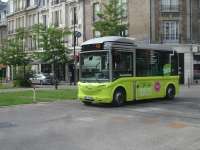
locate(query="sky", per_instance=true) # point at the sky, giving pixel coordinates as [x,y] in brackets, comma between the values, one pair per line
[4,0]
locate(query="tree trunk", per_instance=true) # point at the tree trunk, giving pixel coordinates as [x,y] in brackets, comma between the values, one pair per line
[24,69]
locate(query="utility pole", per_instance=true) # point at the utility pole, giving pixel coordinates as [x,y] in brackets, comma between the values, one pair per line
[75,71]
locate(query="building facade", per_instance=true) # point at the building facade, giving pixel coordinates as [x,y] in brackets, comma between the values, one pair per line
[57,13]
[3,36]
[176,23]
[136,15]
[3,22]
[171,22]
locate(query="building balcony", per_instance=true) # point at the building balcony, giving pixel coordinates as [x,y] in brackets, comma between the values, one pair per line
[11,32]
[3,22]
[57,2]
[169,8]
[170,38]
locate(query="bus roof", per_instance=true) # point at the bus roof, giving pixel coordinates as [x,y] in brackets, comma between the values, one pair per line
[155,46]
[110,39]
[130,41]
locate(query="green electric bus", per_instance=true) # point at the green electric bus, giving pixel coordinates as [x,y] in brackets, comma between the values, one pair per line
[118,69]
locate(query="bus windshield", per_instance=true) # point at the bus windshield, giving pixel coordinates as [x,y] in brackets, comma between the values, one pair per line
[94,67]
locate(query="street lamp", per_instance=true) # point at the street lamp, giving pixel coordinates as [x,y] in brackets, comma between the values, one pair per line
[77,34]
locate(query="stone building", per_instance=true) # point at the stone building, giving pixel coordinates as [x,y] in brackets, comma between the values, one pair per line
[136,15]
[3,21]
[176,23]
[171,22]
[59,13]
[3,35]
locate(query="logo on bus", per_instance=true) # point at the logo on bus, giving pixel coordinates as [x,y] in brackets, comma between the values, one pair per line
[157,86]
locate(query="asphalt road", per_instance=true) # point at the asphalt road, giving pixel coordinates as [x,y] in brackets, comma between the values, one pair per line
[70,125]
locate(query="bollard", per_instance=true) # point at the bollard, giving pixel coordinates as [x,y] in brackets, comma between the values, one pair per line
[34,95]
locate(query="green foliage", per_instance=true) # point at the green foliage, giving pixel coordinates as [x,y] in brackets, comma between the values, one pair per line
[21,83]
[26,97]
[110,23]
[51,40]
[13,53]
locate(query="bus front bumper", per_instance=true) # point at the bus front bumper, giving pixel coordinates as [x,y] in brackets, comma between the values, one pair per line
[94,92]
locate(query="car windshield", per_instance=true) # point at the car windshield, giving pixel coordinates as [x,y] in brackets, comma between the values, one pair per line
[94,67]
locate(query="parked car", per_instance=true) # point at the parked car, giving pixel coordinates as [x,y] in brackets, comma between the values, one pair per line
[41,79]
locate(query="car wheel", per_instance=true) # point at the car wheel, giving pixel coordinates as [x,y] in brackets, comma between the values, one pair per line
[119,98]
[170,92]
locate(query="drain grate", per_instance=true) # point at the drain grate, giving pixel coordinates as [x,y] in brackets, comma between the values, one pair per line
[7,125]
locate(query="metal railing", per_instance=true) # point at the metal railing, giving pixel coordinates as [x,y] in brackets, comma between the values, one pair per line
[169,8]
[170,38]
[3,22]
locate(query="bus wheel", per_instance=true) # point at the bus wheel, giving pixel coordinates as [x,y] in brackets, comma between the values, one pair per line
[170,92]
[119,98]
[87,103]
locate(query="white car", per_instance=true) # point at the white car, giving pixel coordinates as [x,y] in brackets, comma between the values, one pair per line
[41,79]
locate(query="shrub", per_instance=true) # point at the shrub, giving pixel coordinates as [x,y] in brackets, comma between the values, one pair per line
[21,83]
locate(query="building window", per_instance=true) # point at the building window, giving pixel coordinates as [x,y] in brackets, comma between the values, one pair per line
[43,2]
[170,31]
[124,5]
[44,20]
[96,10]
[124,33]
[74,16]
[169,5]
[54,2]
[22,21]
[55,17]
[34,19]
[29,20]
[27,3]
[35,2]
[60,17]
[198,3]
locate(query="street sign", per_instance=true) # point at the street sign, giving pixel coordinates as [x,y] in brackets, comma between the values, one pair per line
[77,34]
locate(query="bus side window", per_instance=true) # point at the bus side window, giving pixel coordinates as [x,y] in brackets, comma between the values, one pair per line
[122,64]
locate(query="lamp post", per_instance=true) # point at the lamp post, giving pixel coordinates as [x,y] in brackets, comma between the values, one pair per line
[76,36]
[74,46]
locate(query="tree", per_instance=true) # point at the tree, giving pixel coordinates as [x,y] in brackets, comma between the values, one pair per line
[51,40]
[110,19]
[13,53]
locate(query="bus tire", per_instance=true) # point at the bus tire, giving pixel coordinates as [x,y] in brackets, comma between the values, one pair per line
[170,92]
[119,97]
[87,103]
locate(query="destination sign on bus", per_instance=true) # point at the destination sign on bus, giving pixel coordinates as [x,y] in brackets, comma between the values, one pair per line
[92,47]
